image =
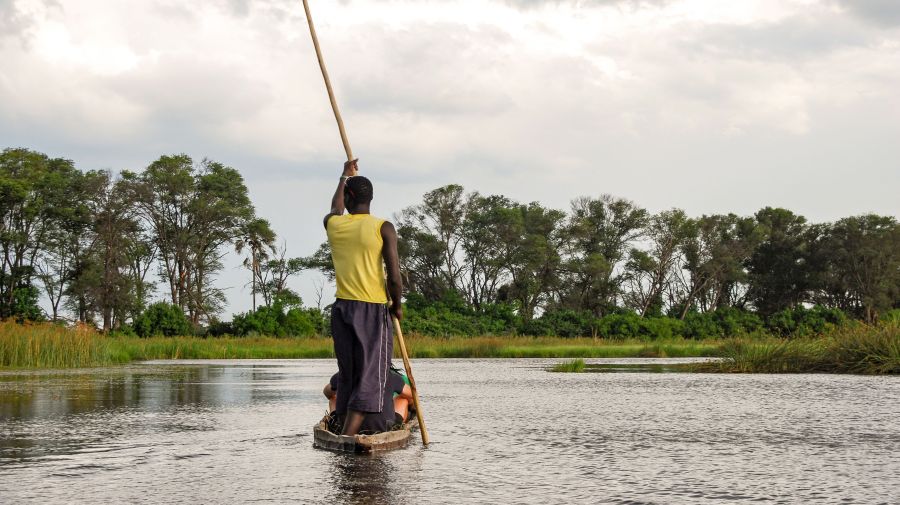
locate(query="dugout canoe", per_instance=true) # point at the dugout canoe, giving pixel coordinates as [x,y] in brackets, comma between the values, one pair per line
[362,444]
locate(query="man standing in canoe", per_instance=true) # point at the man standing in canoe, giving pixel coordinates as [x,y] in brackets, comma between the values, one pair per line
[362,246]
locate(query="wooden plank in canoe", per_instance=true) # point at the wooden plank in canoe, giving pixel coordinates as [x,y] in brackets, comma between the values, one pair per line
[361,444]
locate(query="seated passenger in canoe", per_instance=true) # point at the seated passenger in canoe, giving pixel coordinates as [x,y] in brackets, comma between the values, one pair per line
[397,404]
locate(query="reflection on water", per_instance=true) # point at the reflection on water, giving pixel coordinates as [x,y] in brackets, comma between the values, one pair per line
[504,431]
[361,479]
[151,388]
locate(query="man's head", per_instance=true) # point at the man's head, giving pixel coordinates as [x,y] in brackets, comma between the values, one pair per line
[357,193]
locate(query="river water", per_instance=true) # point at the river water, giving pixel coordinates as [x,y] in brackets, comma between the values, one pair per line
[503,431]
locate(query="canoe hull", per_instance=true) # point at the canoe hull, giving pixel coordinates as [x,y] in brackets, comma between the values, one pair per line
[361,444]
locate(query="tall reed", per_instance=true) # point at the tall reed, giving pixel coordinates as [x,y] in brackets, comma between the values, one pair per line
[866,349]
[44,345]
[855,348]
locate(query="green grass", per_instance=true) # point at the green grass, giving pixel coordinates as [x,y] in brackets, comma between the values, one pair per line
[419,347]
[574,366]
[51,346]
[139,349]
[855,348]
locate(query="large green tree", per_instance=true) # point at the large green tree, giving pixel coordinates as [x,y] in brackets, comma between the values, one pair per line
[422,262]
[651,271]
[68,243]
[194,210]
[439,221]
[855,265]
[34,201]
[777,269]
[601,232]
[107,284]
[713,272]
[491,231]
[534,267]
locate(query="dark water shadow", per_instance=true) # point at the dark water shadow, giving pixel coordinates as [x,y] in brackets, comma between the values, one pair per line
[363,479]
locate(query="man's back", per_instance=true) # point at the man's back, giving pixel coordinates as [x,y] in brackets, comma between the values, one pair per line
[356,250]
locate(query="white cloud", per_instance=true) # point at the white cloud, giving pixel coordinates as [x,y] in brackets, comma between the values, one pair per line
[707,105]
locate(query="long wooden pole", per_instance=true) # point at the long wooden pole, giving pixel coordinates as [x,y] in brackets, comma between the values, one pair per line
[334,106]
[412,380]
[337,116]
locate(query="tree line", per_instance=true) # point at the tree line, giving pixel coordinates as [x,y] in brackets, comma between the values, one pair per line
[100,248]
[608,256]
[475,264]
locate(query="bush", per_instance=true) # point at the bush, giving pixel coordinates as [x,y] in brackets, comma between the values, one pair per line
[662,327]
[25,305]
[450,316]
[164,319]
[125,330]
[733,321]
[701,325]
[277,320]
[220,329]
[538,327]
[621,326]
[722,322]
[564,323]
[800,321]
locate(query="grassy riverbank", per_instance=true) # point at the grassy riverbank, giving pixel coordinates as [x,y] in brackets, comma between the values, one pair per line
[851,349]
[50,346]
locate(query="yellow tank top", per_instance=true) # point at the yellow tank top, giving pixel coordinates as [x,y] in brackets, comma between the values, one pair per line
[356,252]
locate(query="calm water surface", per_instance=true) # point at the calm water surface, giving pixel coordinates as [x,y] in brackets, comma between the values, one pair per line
[503,431]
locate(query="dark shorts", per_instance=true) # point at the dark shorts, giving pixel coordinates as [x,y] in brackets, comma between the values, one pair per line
[363,344]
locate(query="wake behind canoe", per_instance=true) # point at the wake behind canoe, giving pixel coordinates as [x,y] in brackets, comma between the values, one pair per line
[362,444]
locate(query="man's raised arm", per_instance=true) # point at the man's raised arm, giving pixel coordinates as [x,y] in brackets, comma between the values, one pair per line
[337,201]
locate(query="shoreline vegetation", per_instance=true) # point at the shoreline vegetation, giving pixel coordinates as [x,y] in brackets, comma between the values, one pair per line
[855,348]
[137,256]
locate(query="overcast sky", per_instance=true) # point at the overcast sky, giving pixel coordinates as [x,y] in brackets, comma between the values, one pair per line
[706,105]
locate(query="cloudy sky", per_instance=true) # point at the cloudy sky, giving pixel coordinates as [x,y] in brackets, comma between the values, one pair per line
[707,105]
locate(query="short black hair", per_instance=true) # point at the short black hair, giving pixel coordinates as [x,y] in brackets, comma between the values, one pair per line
[360,189]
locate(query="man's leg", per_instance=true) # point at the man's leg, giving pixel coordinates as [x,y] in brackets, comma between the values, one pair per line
[355,418]
[353,422]
[344,336]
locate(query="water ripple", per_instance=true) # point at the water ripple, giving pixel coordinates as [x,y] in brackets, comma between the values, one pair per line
[505,431]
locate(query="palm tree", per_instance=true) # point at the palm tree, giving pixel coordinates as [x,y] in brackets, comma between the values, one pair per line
[258,239]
